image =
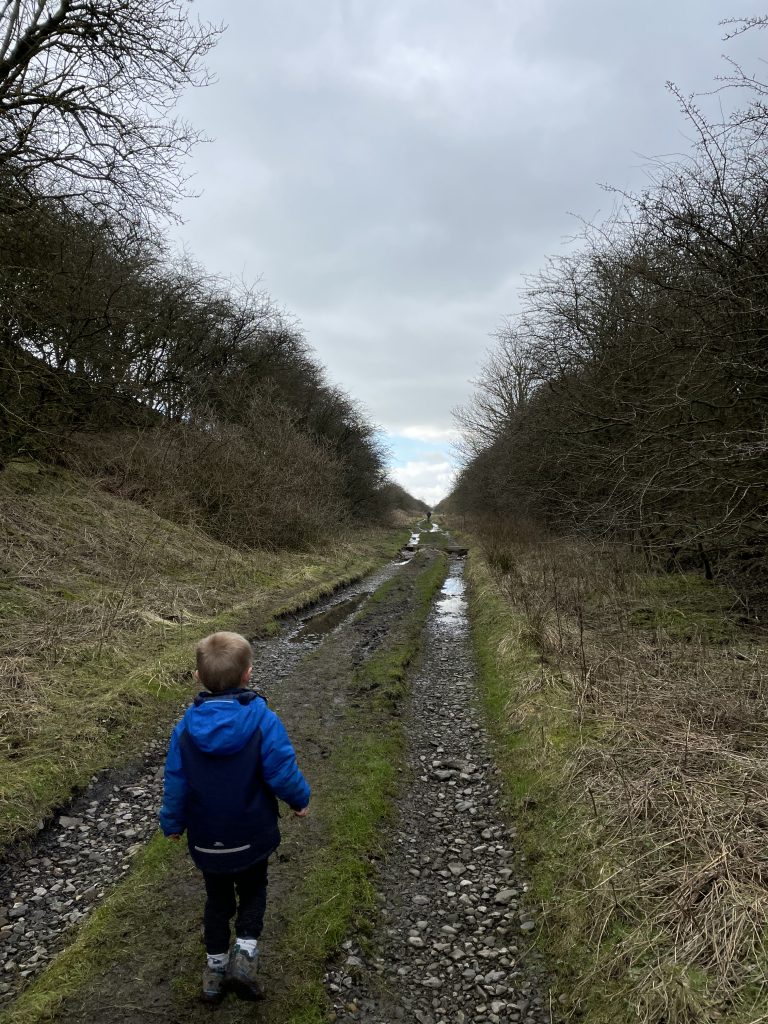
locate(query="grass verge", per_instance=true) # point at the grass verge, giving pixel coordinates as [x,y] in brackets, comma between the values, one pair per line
[628,716]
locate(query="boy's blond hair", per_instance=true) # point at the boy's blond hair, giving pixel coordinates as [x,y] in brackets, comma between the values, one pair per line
[222,659]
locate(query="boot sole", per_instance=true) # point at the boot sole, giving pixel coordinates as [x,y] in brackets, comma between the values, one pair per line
[211,1000]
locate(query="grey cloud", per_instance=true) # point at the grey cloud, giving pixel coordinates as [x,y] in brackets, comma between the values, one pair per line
[393,169]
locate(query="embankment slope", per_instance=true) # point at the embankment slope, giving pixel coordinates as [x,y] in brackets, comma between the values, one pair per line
[101,602]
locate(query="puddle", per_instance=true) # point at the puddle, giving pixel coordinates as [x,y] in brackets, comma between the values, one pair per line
[322,624]
[274,658]
[451,606]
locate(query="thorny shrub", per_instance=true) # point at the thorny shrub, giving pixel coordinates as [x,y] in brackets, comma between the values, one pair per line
[270,485]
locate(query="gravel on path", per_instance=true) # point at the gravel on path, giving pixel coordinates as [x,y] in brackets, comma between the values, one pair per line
[450,946]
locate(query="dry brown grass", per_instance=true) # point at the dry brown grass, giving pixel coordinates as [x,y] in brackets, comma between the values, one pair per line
[101,601]
[652,705]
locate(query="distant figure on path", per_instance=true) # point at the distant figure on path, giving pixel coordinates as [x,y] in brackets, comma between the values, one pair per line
[429,515]
[229,760]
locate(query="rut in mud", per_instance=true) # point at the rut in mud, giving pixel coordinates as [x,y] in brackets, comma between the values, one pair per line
[449,947]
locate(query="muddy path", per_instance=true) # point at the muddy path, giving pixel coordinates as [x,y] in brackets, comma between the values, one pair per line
[447,943]
[449,946]
[309,672]
[50,884]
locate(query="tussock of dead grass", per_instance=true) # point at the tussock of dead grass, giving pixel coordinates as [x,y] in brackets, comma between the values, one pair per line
[664,752]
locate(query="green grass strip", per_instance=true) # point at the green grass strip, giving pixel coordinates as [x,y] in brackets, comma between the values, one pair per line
[531,749]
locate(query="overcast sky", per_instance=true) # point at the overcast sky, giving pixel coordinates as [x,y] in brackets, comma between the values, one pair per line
[390,169]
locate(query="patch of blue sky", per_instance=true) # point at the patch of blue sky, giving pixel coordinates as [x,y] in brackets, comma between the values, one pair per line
[424,465]
[408,449]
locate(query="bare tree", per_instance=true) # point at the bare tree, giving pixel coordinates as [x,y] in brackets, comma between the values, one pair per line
[647,416]
[87,92]
[505,385]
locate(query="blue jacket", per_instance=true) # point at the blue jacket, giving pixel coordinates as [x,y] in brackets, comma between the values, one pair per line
[229,758]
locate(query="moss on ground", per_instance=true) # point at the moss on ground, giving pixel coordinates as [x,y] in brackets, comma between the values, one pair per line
[686,607]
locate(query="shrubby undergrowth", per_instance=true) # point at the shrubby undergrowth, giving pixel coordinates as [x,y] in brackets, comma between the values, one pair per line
[179,390]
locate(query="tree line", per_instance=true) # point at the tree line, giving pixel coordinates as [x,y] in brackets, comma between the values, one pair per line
[629,397]
[195,395]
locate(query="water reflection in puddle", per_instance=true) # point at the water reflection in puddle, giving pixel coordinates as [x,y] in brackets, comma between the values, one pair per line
[322,624]
[452,605]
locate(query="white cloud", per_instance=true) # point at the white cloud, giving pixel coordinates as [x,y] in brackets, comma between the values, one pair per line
[425,432]
[426,479]
[408,73]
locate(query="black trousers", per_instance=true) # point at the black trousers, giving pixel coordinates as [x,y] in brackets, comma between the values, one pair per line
[244,893]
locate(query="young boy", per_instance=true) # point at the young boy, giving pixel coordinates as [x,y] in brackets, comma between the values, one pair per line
[229,759]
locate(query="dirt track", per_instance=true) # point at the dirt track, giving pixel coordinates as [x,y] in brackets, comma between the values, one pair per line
[50,884]
[447,945]
[310,682]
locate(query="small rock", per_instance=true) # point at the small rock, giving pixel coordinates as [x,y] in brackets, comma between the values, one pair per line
[505,896]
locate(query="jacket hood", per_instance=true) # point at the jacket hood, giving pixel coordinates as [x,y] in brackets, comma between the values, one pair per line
[222,723]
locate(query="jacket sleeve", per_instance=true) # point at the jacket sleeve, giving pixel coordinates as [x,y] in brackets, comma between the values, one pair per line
[281,772]
[173,812]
